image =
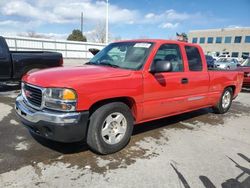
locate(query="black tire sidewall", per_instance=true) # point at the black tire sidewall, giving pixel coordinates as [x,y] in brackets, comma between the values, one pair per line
[94,137]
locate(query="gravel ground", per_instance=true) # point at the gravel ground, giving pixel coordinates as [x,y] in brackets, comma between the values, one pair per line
[197,149]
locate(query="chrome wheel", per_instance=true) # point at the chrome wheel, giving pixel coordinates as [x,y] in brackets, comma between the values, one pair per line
[226,99]
[114,128]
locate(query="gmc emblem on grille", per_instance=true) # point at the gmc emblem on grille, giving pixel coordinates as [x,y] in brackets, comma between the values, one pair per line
[28,94]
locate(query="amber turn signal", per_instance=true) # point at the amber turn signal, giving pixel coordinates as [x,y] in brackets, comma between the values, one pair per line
[68,94]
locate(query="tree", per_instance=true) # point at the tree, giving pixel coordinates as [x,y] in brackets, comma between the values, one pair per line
[33,34]
[77,35]
[99,34]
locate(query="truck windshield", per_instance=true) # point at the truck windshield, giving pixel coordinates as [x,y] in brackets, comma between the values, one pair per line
[125,55]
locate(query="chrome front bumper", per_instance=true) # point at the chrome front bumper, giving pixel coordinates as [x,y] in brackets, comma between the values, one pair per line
[34,116]
[58,126]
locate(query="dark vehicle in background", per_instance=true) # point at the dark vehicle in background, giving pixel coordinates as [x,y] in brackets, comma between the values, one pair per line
[245,67]
[226,63]
[14,64]
[210,61]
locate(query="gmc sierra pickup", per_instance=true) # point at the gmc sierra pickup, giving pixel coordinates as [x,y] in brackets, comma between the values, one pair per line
[14,64]
[126,83]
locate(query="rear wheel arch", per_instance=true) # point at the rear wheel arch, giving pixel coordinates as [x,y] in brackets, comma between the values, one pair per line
[233,87]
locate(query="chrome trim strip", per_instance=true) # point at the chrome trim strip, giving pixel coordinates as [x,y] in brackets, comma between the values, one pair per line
[196,98]
[34,116]
[59,100]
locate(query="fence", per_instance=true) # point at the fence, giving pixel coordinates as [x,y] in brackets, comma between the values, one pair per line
[69,49]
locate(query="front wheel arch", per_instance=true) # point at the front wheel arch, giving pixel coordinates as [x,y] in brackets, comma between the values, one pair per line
[130,102]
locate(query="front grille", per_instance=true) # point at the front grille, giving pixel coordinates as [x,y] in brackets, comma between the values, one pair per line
[33,95]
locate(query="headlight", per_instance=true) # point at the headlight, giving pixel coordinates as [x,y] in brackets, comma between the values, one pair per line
[60,99]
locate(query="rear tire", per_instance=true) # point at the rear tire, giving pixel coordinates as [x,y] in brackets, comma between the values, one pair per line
[225,101]
[110,128]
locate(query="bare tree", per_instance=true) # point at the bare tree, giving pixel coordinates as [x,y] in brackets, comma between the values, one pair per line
[99,33]
[33,34]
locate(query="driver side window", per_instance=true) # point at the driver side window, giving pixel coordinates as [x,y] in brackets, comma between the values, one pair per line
[171,53]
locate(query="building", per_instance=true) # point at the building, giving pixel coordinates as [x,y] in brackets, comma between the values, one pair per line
[232,41]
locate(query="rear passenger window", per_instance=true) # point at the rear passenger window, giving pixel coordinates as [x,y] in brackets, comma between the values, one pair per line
[171,53]
[194,58]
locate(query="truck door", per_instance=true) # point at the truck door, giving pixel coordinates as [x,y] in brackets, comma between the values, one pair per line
[164,92]
[5,61]
[197,78]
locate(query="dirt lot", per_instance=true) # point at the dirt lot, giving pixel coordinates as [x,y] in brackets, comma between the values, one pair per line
[198,149]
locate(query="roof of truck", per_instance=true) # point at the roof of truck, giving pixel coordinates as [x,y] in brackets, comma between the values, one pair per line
[156,41]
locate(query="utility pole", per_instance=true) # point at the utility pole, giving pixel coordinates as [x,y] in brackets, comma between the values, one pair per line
[82,22]
[107,21]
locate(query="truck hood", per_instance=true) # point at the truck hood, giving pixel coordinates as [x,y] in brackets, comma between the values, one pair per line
[69,76]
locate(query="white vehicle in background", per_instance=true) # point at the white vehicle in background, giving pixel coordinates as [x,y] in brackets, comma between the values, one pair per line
[223,56]
[226,63]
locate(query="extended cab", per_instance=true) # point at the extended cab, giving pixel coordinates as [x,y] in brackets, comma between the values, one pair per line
[14,64]
[126,83]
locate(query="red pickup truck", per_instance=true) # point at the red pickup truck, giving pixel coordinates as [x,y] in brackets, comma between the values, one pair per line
[126,83]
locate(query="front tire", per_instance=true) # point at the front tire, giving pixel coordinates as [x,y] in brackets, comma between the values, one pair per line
[225,101]
[110,128]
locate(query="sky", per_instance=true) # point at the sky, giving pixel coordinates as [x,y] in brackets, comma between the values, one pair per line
[128,19]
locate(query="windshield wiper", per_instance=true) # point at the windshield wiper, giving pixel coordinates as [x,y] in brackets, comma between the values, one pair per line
[102,63]
[90,63]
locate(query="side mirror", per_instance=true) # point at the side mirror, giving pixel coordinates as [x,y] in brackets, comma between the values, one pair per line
[161,66]
[94,51]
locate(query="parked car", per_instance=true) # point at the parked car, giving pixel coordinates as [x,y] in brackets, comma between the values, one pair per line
[14,64]
[245,67]
[223,56]
[101,101]
[210,61]
[226,63]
